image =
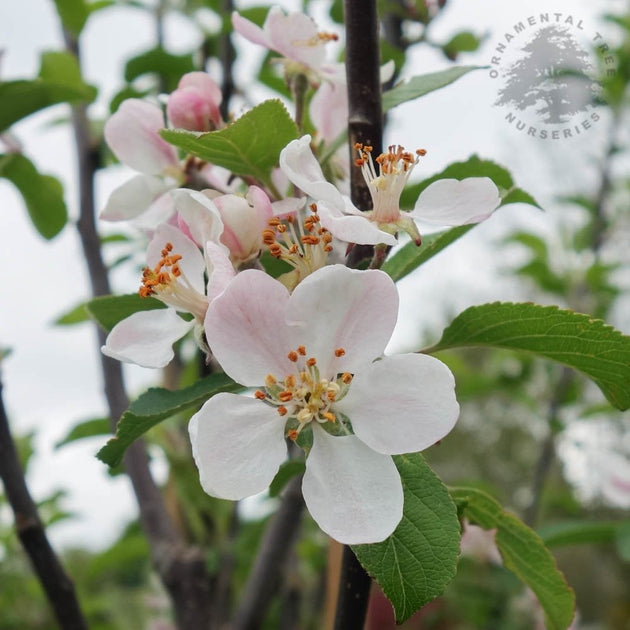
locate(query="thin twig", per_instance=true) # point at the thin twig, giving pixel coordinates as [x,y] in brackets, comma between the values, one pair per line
[182,568]
[57,585]
[275,548]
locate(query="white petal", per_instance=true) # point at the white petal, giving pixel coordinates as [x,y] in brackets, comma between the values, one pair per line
[200,214]
[146,338]
[401,404]
[133,197]
[454,202]
[302,168]
[353,229]
[246,329]
[238,445]
[354,494]
[192,263]
[222,269]
[132,134]
[337,307]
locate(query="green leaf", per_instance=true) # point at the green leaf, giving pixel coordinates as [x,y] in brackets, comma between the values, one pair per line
[410,256]
[286,472]
[108,310]
[523,553]
[156,405]
[414,565]
[462,42]
[59,81]
[418,86]
[42,194]
[573,339]
[161,63]
[250,146]
[579,533]
[75,315]
[86,429]
[473,167]
[73,14]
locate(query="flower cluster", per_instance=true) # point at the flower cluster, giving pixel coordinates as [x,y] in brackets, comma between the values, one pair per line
[310,339]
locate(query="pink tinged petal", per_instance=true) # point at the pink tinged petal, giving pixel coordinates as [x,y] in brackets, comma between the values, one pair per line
[189,109]
[286,207]
[329,110]
[246,330]
[251,31]
[222,270]
[243,223]
[401,404]
[354,494]
[302,168]
[146,338]
[192,263]
[134,197]
[203,82]
[353,229]
[337,307]
[238,445]
[454,202]
[132,134]
[295,37]
[200,214]
[160,211]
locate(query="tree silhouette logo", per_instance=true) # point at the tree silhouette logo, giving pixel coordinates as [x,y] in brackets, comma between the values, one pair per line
[546,67]
[552,77]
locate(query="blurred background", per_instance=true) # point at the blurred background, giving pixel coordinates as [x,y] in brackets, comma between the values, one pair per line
[540,439]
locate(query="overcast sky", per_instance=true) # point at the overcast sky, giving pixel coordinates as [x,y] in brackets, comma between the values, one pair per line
[52,379]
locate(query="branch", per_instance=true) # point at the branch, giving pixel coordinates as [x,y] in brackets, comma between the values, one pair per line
[56,583]
[182,568]
[365,125]
[275,549]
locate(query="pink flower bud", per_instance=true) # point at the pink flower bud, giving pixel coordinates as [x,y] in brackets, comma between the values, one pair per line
[194,105]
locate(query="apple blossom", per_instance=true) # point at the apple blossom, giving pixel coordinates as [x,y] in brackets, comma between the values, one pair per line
[444,202]
[132,134]
[194,105]
[236,221]
[316,355]
[175,276]
[296,38]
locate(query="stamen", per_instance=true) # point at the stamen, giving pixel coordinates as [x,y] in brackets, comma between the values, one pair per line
[292,356]
[346,377]
[282,411]
[260,395]
[339,352]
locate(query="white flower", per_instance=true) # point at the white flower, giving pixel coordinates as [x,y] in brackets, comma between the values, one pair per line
[444,202]
[316,354]
[175,276]
[296,38]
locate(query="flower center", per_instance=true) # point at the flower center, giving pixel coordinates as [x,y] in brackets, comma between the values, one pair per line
[168,283]
[386,186]
[304,246]
[305,395]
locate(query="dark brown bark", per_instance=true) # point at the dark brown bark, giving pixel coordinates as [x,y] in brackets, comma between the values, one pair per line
[57,585]
[181,567]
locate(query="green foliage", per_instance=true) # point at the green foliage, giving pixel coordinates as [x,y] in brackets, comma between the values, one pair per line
[73,14]
[42,194]
[157,61]
[86,429]
[465,41]
[59,81]
[286,472]
[473,167]
[108,310]
[75,315]
[523,553]
[573,339]
[411,256]
[418,86]
[156,405]
[583,532]
[250,146]
[414,565]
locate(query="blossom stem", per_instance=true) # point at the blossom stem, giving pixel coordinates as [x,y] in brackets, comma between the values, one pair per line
[299,86]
